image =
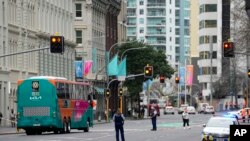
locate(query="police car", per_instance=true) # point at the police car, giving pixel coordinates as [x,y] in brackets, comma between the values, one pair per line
[217,128]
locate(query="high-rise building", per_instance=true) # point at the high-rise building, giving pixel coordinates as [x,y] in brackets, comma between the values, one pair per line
[163,24]
[26,25]
[214,28]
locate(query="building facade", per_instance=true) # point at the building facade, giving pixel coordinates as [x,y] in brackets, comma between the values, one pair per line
[210,37]
[25,25]
[122,22]
[90,35]
[163,24]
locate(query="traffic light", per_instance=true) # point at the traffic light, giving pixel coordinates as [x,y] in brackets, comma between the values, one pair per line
[56,44]
[177,80]
[107,93]
[228,49]
[148,71]
[248,73]
[162,79]
[120,92]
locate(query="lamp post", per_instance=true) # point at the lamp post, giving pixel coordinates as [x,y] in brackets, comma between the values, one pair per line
[132,49]
[121,97]
[108,83]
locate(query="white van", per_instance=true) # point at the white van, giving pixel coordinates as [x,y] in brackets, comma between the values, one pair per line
[201,107]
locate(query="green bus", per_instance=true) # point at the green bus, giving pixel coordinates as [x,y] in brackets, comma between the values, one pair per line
[46,103]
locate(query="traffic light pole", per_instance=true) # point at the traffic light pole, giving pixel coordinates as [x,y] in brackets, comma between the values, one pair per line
[22,52]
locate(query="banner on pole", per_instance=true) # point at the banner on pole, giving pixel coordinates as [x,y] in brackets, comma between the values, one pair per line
[189,75]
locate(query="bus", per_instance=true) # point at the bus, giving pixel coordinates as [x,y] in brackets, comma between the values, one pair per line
[46,103]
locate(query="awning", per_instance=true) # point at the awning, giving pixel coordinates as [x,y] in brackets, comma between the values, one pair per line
[99,90]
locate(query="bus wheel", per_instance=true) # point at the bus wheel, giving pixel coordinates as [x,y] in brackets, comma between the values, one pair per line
[38,132]
[64,127]
[86,129]
[29,132]
[56,131]
[68,127]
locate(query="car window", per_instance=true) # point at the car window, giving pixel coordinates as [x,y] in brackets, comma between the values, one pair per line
[223,122]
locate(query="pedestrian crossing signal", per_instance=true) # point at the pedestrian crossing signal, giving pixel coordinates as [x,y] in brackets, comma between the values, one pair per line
[56,44]
[248,73]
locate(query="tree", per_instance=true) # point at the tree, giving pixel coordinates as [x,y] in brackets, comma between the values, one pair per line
[137,59]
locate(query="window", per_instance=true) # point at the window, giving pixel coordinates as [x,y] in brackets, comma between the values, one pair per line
[141,11]
[186,22]
[141,21]
[170,1]
[177,13]
[78,10]
[177,3]
[141,2]
[186,31]
[177,22]
[208,24]
[177,31]
[177,40]
[141,30]
[78,36]
[208,8]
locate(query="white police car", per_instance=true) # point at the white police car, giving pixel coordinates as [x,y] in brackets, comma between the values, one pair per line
[217,128]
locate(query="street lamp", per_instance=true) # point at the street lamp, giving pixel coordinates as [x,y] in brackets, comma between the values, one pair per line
[132,49]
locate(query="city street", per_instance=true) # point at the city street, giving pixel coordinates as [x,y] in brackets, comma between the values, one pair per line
[169,129]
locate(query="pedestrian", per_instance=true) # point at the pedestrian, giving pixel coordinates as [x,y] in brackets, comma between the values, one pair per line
[243,114]
[118,119]
[248,115]
[226,106]
[185,118]
[142,112]
[1,116]
[153,114]
[12,118]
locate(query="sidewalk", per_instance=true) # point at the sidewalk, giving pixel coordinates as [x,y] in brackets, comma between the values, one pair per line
[4,130]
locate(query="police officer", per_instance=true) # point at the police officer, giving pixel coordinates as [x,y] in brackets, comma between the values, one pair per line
[118,118]
[153,115]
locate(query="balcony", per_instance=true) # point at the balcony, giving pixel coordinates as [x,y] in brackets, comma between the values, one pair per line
[131,24]
[157,42]
[156,5]
[156,14]
[131,5]
[156,24]
[156,33]
[131,34]
[131,14]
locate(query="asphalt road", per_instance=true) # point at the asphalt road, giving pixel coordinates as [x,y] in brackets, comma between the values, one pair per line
[169,129]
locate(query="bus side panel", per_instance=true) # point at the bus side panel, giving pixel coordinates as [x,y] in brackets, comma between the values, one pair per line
[78,112]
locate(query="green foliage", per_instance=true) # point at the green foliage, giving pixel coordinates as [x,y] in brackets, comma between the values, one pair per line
[139,58]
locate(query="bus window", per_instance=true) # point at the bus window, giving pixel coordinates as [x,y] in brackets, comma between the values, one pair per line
[60,90]
[66,91]
[73,92]
[70,91]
